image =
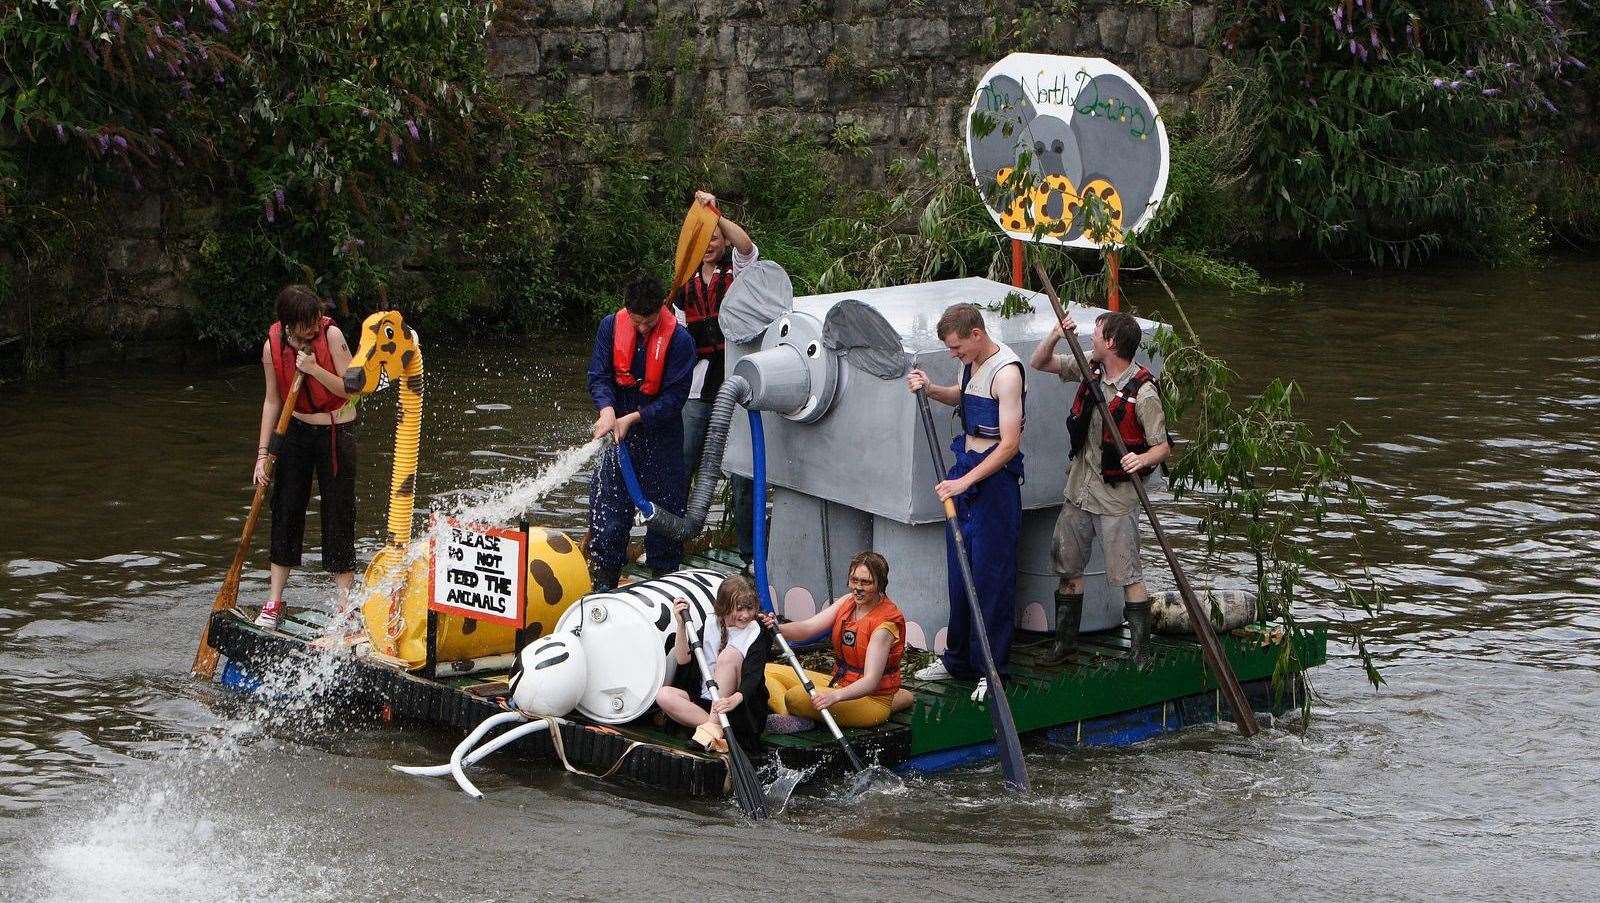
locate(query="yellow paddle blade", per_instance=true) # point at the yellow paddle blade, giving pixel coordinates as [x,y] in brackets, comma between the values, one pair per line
[692,241]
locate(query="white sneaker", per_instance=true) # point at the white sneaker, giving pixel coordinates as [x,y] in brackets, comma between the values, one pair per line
[982,692]
[935,671]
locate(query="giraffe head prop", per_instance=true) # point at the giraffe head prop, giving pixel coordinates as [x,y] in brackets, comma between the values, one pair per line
[389,349]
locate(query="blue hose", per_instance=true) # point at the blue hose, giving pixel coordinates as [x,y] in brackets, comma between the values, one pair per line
[758,521]
[631,481]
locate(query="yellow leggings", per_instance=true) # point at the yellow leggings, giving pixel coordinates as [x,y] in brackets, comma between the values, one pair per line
[787,696]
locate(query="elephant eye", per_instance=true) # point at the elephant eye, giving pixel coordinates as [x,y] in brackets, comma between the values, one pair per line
[1038,147]
[811,350]
[783,329]
[1057,146]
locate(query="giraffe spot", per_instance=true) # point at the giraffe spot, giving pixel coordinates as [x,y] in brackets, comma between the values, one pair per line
[558,543]
[373,328]
[468,625]
[408,486]
[533,631]
[1107,192]
[387,347]
[540,573]
[414,383]
[389,538]
[406,356]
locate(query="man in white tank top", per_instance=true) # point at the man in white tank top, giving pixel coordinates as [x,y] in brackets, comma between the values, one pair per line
[986,484]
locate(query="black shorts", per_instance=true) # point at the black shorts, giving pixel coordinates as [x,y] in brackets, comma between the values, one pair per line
[309,451]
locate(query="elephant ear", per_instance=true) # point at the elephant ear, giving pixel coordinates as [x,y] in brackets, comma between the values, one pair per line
[1122,144]
[759,295]
[855,330]
[998,127]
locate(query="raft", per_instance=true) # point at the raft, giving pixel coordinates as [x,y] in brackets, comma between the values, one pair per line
[1098,699]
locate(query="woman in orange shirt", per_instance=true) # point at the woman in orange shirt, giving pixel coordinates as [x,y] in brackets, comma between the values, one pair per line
[869,638]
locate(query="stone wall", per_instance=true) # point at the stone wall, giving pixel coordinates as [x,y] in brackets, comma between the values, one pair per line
[896,73]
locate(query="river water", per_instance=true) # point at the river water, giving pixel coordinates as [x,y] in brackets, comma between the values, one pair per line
[1472,774]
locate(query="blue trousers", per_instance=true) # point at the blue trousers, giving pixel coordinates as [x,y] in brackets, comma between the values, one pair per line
[990,519]
[658,461]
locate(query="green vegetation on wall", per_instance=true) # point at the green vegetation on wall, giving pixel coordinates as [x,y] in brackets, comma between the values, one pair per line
[1394,128]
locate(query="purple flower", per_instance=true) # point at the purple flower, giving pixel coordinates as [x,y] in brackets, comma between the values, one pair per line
[105,144]
[1455,85]
[267,206]
[1438,83]
[1491,92]
[277,195]
[216,10]
[1352,46]
[1548,105]
[1282,17]
[177,25]
[1470,73]
[72,19]
[157,29]
[61,133]
[228,4]
[1574,61]
[120,141]
[1362,48]
[1338,18]
[411,126]
[217,24]
[1374,34]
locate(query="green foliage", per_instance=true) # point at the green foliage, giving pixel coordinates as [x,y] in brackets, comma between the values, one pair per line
[342,140]
[1266,482]
[1395,128]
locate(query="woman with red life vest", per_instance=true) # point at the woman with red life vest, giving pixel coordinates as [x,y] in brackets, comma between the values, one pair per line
[320,442]
[1100,497]
[868,635]
[700,299]
[639,376]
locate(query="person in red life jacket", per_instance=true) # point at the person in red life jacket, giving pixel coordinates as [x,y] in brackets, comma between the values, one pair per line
[700,301]
[868,634]
[639,375]
[320,442]
[1100,496]
[985,481]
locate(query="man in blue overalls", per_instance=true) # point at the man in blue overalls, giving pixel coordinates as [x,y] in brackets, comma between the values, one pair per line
[986,484]
[639,376]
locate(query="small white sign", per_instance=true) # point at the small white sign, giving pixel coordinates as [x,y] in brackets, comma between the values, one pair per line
[479,572]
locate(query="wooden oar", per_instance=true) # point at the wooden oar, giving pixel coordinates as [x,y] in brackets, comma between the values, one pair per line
[865,774]
[205,658]
[693,237]
[1216,656]
[747,789]
[1005,729]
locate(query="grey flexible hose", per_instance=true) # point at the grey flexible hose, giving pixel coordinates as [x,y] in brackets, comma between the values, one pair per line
[735,391]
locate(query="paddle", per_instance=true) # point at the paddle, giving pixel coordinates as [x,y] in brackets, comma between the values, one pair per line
[205,658]
[1005,729]
[866,775]
[693,237]
[747,789]
[1216,656]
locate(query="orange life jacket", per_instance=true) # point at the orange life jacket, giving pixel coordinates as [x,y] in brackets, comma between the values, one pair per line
[850,644]
[623,337]
[314,398]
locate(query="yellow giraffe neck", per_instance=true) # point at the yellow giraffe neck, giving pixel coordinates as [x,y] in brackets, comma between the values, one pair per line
[407,446]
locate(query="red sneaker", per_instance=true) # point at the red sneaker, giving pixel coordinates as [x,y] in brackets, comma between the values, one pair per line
[271,614]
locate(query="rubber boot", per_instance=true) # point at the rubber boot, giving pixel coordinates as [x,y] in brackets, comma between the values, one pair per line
[1138,615]
[1069,615]
[601,580]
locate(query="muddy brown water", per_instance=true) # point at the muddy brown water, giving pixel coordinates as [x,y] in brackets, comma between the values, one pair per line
[1472,775]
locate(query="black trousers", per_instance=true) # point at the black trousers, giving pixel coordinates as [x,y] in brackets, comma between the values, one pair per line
[314,451]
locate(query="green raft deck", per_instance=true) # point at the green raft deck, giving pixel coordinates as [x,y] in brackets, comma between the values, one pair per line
[1099,698]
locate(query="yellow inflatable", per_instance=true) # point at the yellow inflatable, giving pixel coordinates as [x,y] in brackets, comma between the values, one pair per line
[396,609]
[557,577]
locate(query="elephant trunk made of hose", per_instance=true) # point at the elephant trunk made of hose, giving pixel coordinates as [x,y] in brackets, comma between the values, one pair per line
[735,392]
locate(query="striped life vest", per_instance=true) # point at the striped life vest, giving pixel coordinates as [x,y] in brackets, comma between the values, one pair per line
[1123,413]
